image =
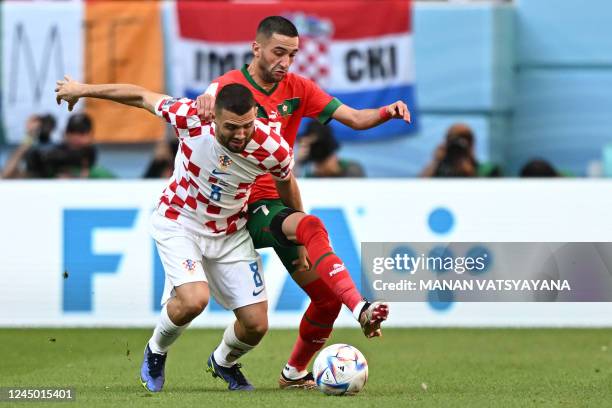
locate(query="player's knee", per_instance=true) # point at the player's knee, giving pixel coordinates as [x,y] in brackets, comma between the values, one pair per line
[257,328]
[192,299]
[194,305]
[311,223]
[282,228]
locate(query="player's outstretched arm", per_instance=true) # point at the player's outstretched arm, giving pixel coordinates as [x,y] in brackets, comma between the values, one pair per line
[71,91]
[360,119]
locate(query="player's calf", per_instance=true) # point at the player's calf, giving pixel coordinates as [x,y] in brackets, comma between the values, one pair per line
[294,227]
[315,328]
[239,338]
[191,298]
[223,364]
[291,225]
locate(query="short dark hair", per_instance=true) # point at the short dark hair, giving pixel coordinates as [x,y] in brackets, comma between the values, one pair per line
[324,144]
[460,131]
[538,168]
[235,98]
[276,25]
[79,123]
[47,125]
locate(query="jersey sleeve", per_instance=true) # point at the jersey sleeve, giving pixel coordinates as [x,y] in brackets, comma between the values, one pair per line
[213,88]
[319,104]
[274,155]
[284,156]
[181,114]
[216,85]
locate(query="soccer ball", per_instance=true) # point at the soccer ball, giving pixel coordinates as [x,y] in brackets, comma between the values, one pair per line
[340,369]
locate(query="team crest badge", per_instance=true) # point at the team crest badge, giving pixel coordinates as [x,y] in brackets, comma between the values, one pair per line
[189,265]
[224,162]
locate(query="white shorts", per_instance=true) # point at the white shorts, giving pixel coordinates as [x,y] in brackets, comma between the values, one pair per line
[229,263]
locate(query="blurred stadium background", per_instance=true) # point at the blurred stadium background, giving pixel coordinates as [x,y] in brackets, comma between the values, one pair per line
[528,79]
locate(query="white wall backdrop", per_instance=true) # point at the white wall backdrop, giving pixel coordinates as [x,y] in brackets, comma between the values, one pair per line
[79,254]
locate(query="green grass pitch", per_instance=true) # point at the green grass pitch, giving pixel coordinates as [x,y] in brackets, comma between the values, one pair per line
[408,367]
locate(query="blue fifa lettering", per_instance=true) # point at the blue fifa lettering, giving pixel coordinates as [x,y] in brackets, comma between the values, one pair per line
[80,262]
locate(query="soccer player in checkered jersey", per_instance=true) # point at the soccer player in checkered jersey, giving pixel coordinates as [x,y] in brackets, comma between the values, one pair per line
[283,99]
[199,224]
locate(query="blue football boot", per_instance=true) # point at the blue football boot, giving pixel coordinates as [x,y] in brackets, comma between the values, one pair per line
[152,370]
[231,375]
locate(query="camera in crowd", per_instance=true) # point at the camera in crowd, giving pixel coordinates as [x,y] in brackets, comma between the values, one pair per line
[45,127]
[73,158]
[457,154]
[60,161]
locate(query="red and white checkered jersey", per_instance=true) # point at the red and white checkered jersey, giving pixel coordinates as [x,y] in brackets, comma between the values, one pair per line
[282,107]
[210,187]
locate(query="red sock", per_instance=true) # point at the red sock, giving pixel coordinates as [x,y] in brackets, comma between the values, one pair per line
[311,233]
[316,325]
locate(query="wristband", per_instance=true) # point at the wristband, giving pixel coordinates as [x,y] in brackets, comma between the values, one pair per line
[383,113]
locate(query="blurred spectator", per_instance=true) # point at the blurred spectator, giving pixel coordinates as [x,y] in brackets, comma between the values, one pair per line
[539,168]
[317,148]
[35,144]
[76,156]
[63,162]
[455,157]
[162,165]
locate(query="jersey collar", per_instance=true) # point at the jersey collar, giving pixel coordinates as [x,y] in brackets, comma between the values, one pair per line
[249,78]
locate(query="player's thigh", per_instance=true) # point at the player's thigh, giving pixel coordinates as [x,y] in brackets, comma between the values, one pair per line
[261,214]
[236,284]
[180,255]
[181,259]
[195,294]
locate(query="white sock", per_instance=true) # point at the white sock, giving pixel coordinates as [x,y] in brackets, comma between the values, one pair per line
[357,309]
[230,349]
[165,333]
[292,373]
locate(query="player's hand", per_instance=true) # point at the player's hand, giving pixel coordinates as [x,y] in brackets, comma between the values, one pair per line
[205,104]
[68,90]
[398,110]
[301,263]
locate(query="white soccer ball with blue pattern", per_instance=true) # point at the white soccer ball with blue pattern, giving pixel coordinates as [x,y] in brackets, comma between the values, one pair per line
[340,369]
